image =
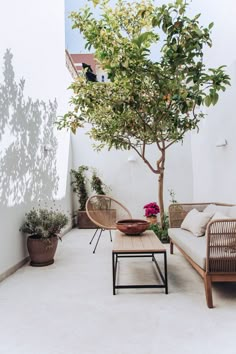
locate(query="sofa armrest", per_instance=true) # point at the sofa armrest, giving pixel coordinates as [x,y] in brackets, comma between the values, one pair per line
[221,246]
[178,211]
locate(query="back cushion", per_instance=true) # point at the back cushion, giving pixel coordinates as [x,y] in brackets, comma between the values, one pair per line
[219,216]
[196,222]
[213,208]
[232,212]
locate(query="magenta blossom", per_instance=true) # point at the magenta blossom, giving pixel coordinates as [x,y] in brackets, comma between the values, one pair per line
[151,209]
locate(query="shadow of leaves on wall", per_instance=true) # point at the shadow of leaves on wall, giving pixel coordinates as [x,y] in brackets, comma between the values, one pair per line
[27,172]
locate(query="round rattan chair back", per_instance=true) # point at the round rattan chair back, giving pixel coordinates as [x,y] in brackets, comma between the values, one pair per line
[104,211]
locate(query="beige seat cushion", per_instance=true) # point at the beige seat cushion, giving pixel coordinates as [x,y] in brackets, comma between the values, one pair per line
[194,247]
[196,222]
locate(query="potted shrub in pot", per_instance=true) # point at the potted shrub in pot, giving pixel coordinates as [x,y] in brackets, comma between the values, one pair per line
[43,227]
[81,184]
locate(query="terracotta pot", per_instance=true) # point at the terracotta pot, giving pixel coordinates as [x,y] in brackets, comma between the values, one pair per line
[83,221]
[152,219]
[41,251]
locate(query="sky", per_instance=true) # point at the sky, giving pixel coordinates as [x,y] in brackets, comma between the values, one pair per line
[74,40]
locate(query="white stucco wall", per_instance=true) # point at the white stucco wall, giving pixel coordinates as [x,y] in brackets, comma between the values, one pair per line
[214,168]
[34,34]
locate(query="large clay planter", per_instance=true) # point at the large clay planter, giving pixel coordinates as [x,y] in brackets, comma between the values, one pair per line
[83,221]
[41,252]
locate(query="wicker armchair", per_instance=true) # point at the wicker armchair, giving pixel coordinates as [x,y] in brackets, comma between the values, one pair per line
[220,246]
[104,211]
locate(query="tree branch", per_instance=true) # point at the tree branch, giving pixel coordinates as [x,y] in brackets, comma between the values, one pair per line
[143,150]
[144,159]
[174,141]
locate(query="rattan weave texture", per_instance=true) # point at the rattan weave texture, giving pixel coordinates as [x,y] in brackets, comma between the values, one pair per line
[105,211]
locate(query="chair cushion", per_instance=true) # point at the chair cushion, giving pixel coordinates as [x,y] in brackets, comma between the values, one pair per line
[194,247]
[196,222]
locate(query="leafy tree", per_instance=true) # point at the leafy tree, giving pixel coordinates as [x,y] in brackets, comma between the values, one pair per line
[146,101]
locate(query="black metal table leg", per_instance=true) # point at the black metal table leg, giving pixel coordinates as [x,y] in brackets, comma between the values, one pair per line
[114,272]
[165,271]
[164,279]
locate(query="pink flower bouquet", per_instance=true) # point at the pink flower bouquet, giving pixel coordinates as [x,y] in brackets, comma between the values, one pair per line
[151,209]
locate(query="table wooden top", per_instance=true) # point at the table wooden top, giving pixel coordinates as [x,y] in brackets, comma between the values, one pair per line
[146,242]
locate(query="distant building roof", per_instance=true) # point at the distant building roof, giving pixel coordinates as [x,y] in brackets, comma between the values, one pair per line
[79,59]
[71,66]
[77,62]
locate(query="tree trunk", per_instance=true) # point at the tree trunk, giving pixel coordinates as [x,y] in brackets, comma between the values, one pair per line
[161,168]
[161,198]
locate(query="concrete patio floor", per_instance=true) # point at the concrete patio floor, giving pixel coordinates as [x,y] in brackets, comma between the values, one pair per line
[68,307]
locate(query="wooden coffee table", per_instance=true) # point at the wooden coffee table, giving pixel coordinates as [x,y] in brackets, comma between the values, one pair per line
[144,245]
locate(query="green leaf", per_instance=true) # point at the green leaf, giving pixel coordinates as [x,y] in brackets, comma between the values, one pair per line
[95,2]
[215,98]
[189,79]
[198,32]
[211,25]
[155,22]
[197,17]
[142,13]
[125,63]
[207,101]
[199,100]
[144,37]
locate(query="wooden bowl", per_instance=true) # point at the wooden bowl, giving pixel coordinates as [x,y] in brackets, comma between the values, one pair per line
[132,226]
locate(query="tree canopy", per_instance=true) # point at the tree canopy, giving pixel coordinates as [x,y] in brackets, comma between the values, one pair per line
[154,57]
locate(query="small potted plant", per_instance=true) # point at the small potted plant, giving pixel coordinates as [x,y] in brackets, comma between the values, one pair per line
[151,211]
[43,227]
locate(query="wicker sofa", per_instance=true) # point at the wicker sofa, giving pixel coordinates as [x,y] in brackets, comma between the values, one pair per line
[213,255]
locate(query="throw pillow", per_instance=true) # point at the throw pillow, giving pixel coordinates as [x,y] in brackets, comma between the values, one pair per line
[219,216]
[196,222]
[213,208]
[232,212]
